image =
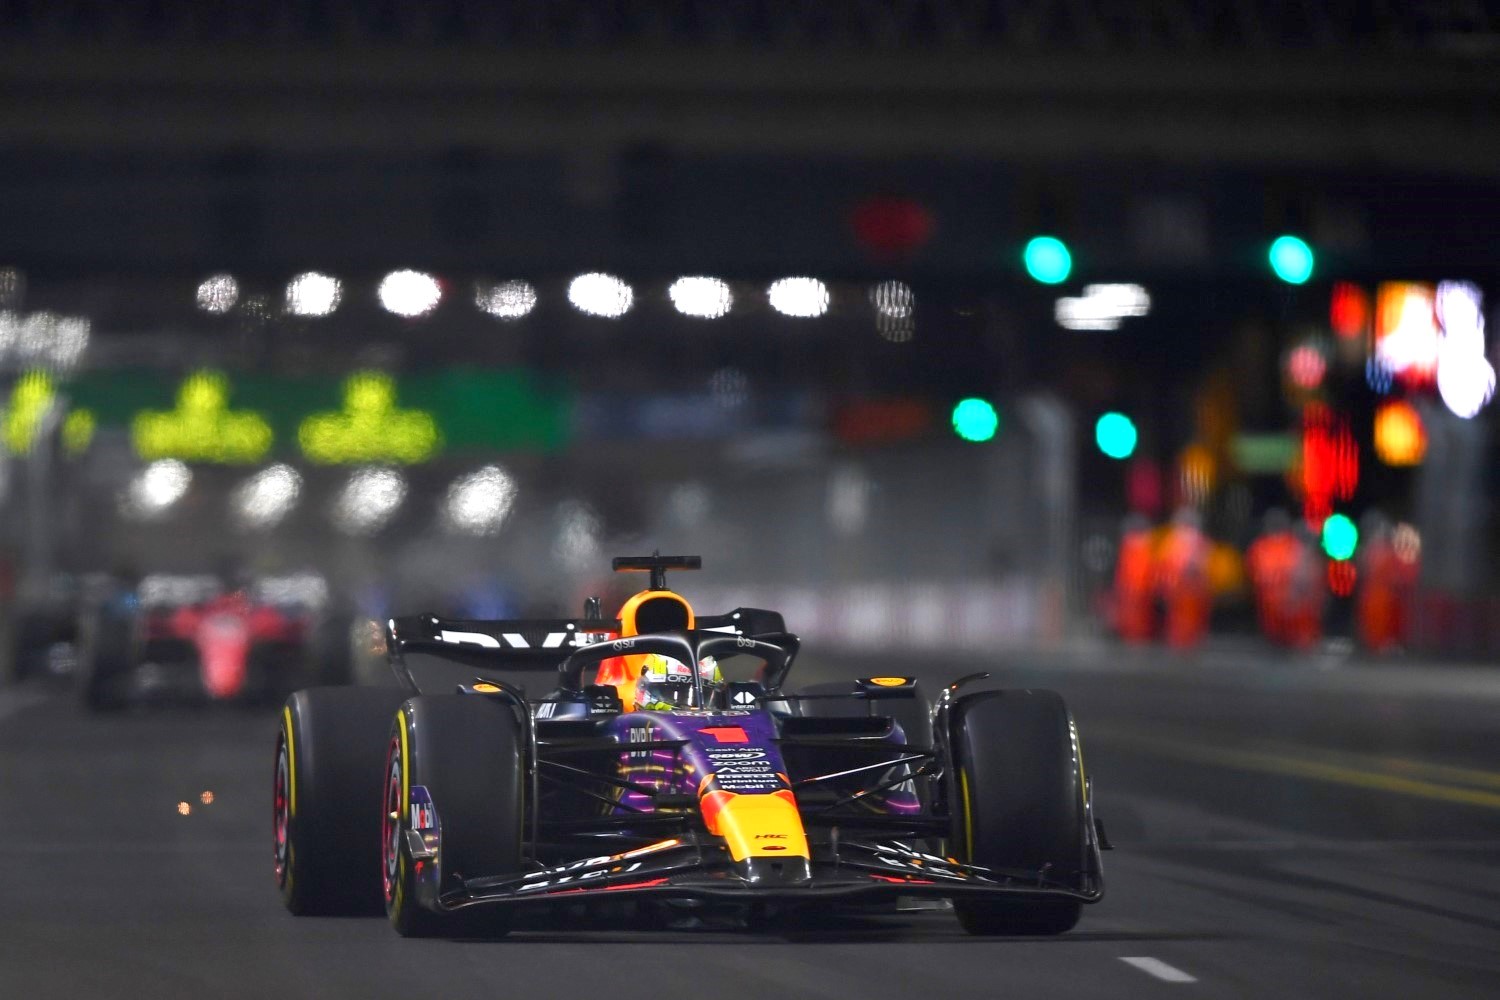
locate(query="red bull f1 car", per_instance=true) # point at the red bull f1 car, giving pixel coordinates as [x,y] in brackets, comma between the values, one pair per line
[668,761]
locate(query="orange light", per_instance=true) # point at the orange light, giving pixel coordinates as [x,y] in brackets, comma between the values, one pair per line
[1342,576]
[1197,472]
[183,808]
[1400,438]
[207,798]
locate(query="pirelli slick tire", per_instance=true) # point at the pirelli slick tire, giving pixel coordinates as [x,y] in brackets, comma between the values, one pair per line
[104,654]
[466,754]
[103,682]
[326,799]
[1018,803]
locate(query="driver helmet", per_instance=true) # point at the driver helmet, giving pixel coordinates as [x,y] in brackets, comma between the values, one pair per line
[666,683]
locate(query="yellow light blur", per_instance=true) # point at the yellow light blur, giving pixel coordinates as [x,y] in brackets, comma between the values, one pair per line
[369,428]
[29,402]
[1400,439]
[78,431]
[183,808]
[202,428]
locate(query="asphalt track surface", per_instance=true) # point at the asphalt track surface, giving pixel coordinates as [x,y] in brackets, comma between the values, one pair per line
[1299,828]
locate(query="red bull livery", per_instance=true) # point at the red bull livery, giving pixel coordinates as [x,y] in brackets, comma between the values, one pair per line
[666,759]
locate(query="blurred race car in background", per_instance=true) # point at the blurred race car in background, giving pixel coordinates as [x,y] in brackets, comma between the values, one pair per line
[189,637]
[661,760]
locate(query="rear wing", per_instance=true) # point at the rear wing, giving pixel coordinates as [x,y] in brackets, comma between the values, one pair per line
[534,643]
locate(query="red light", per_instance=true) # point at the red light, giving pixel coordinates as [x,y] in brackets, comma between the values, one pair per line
[1330,463]
[882,421]
[1349,310]
[1342,576]
[891,227]
[1143,487]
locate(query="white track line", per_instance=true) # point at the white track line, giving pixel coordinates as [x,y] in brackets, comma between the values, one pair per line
[1161,970]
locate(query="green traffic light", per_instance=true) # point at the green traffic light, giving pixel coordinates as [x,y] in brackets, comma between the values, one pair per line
[1048,260]
[1340,537]
[1116,435]
[1291,259]
[975,420]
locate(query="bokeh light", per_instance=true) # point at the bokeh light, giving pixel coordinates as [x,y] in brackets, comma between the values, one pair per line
[601,295]
[369,500]
[156,490]
[1378,376]
[1400,438]
[31,398]
[803,298]
[410,293]
[1406,331]
[896,329]
[43,339]
[1101,307]
[704,298]
[1048,260]
[1465,377]
[1349,310]
[202,428]
[577,544]
[313,294]
[1291,259]
[1116,436]
[1340,536]
[975,420]
[505,299]
[479,502]
[266,498]
[1406,541]
[218,293]
[893,299]
[1306,366]
[370,428]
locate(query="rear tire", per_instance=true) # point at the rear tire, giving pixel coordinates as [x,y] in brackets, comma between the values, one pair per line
[468,752]
[326,799]
[1018,803]
[104,661]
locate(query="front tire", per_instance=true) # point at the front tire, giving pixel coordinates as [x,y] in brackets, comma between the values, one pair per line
[467,751]
[1018,803]
[325,802]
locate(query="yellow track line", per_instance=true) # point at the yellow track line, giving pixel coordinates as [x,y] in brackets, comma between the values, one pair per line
[1300,767]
